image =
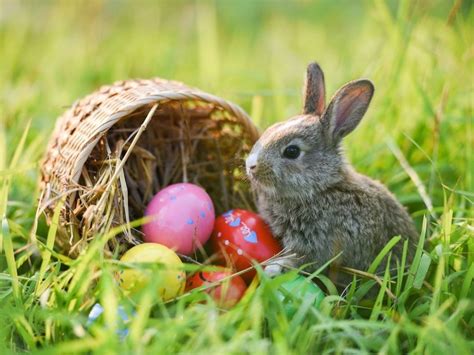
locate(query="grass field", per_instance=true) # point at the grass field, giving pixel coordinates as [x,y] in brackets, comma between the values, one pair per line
[417,138]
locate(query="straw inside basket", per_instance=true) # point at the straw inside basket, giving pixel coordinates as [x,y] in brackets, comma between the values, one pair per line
[184,141]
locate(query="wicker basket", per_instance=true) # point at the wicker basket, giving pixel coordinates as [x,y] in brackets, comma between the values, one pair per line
[114,149]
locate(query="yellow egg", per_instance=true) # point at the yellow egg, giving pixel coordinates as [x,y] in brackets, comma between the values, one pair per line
[171,278]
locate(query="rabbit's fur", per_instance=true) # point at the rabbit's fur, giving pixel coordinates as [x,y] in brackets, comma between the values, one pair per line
[317,204]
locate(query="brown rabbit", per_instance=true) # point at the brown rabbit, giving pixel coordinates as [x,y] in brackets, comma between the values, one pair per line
[312,198]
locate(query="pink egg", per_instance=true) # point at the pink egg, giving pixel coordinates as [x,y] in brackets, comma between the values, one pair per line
[182,218]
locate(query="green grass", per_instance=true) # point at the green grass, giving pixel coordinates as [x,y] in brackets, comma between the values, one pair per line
[417,138]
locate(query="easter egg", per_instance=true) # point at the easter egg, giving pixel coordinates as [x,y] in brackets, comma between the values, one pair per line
[241,237]
[298,289]
[171,276]
[182,218]
[225,290]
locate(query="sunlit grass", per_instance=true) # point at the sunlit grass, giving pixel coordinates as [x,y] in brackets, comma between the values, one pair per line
[417,136]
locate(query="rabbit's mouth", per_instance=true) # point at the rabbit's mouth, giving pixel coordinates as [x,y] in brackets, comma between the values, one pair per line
[264,187]
[263,181]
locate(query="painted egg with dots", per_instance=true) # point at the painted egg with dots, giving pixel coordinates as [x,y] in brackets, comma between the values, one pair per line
[181,217]
[241,237]
[170,275]
[226,290]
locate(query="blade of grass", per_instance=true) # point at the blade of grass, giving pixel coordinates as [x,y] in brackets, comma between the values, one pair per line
[416,260]
[401,269]
[467,288]
[10,256]
[108,299]
[377,308]
[140,320]
[19,148]
[386,249]
[26,331]
[422,271]
[3,148]
[12,166]
[413,176]
[46,253]
[438,283]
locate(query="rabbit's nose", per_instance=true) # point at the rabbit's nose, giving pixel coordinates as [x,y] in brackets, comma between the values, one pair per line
[251,163]
[251,168]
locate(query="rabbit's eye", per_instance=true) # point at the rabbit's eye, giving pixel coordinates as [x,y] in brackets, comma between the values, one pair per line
[292,152]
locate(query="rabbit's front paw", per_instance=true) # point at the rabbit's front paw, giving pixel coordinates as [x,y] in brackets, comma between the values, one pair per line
[278,265]
[273,270]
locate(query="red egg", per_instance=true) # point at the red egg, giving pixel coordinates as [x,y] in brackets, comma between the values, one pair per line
[226,293]
[241,237]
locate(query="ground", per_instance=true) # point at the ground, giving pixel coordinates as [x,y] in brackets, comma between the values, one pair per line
[417,138]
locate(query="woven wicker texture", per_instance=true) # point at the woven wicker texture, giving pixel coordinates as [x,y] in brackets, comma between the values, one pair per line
[83,130]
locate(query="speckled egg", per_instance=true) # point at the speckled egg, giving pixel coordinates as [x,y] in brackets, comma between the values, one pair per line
[242,237]
[182,218]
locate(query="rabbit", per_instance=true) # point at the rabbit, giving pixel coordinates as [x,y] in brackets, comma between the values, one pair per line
[314,201]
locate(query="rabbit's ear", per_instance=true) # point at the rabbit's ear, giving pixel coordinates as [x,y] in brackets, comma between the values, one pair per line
[314,91]
[347,108]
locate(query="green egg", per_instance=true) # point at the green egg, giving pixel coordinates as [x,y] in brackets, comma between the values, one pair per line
[297,291]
